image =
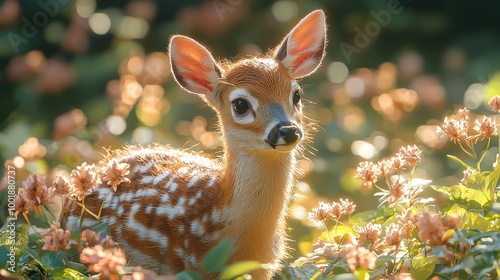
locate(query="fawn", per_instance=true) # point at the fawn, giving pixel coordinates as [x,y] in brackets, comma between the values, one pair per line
[176,205]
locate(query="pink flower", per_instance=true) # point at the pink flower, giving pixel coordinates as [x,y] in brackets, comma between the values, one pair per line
[84,179]
[56,239]
[115,173]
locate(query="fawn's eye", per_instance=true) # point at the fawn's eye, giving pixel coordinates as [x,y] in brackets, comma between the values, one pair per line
[296,97]
[240,106]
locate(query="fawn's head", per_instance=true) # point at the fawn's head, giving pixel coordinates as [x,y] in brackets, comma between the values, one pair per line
[257,99]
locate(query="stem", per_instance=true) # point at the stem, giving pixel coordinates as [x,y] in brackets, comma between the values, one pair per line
[85,209]
[396,255]
[81,223]
[48,210]
[102,206]
[484,153]
[31,225]
[327,231]
[492,195]
[379,188]
[62,209]
[465,151]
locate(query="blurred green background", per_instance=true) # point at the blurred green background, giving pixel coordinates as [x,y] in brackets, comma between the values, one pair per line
[80,76]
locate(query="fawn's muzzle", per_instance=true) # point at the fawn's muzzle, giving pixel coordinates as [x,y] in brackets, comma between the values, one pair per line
[284,136]
[289,133]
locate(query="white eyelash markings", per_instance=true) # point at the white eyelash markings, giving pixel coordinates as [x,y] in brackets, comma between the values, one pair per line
[243,106]
[294,88]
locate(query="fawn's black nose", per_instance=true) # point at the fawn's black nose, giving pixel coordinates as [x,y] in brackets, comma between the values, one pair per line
[284,136]
[288,133]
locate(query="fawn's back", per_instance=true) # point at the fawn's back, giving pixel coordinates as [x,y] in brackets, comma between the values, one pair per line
[176,205]
[168,213]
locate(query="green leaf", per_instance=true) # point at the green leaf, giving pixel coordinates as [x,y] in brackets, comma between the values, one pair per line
[477,181]
[77,267]
[240,268]
[491,183]
[306,272]
[70,273]
[379,214]
[338,233]
[422,267]
[475,235]
[478,222]
[459,211]
[452,157]
[459,236]
[465,194]
[33,254]
[50,260]
[384,260]
[469,219]
[215,259]
[188,275]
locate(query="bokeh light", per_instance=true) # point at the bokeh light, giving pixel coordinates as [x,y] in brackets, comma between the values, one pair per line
[143,135]
[115,125]
[132,28]
[100,23]
[363,149]
[284,10]
[337,72]
[85,8]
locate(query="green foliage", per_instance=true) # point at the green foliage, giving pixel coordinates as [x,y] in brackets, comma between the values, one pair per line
[217,256]
[240,268]
[408,234]
[214,261]
[422,267]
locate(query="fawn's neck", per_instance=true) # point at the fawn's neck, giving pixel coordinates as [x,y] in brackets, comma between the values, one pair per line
[260,188]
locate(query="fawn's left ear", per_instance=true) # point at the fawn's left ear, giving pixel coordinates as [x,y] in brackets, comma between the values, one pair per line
[193,67]
[303,49]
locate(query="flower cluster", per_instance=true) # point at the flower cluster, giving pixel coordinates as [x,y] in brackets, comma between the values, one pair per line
[369,232]
[92,238]
[32,194]
[56,239]
[114,173]
[334,211]
[399,190]
[370,172]
[393,236]
[495,103]
[108,262]
[404,229]
[432,227]
[360,257]
[81,182]
[486,127]
[84,179]
[456,127]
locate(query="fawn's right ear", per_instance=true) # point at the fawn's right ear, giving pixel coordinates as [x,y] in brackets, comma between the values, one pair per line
[302,51]
[193,66]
